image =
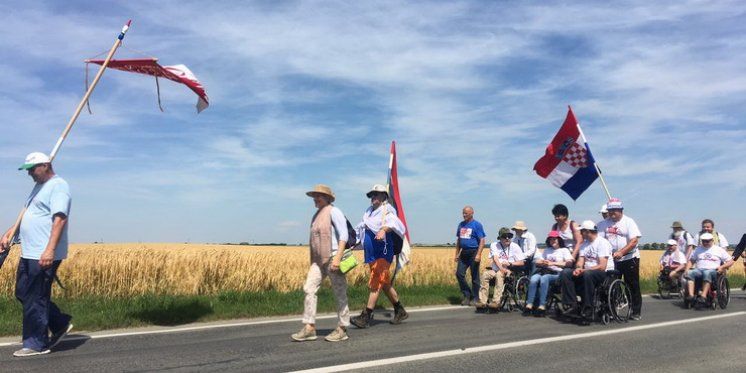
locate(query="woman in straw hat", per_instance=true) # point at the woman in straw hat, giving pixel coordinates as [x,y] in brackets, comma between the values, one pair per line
[327,243]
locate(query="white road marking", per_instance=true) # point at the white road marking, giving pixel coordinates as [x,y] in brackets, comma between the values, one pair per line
[502,346]
[180,329]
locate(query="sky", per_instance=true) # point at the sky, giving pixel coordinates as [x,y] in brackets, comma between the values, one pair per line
[307,92]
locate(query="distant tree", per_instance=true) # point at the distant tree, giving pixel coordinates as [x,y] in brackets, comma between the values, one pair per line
[646,246]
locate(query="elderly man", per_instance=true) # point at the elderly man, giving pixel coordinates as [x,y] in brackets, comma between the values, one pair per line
[43,233]
[469,246]
[380,224]
[623,234]
[506,256]
[527,242]
[708,260]
[684,241]
[590,270]
[708,226]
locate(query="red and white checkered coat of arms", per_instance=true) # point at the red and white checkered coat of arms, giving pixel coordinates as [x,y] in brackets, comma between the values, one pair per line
[576,156]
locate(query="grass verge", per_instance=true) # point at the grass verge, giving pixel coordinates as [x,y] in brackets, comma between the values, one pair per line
[99,313]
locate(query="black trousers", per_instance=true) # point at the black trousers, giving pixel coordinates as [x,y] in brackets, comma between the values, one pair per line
[585,284]
[630,270]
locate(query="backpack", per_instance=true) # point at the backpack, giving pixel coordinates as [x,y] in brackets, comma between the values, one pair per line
[351,234]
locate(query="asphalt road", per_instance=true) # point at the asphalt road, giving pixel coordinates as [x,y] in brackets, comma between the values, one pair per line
[444,339]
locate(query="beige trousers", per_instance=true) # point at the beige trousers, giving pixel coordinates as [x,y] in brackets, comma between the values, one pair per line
[316,274]
[484,286]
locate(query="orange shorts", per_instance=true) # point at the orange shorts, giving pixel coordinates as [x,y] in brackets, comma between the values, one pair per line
[379,274]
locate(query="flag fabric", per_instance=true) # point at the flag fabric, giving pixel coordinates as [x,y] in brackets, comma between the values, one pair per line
[395,200]
[149,66]
[568,163]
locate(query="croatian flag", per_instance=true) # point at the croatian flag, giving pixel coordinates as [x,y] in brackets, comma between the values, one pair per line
[568,162]
[395,200]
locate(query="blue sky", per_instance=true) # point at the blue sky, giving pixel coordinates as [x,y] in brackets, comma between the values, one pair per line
[313,92]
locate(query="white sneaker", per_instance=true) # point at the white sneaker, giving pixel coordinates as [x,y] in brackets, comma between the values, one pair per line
[24,352]
[305,334]
[337,335]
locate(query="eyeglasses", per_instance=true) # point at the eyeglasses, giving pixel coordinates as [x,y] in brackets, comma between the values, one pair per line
[706,241]
[506,236]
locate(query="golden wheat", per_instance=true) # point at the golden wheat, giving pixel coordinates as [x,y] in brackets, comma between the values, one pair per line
[120,270]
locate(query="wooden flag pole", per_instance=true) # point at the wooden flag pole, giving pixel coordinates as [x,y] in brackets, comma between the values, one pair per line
[14,230]
[595,164]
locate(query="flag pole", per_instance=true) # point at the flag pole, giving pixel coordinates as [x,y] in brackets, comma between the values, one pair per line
[595,163]
[61,139]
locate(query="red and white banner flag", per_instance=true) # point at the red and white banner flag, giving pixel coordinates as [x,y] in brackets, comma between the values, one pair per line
[395,201]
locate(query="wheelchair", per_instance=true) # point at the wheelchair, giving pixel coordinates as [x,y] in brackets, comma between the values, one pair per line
[718,296]
[514,291]
[667,287]
[611,301]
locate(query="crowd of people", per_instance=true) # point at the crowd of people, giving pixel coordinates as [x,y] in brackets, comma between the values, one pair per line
[579,257]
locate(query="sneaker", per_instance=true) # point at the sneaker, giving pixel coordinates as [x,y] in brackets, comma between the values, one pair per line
[362,321]
[472,303]
[493,305]
[571,311]
[57,337]
[338,335]
[24,352]
[465,301]
[399,315]
[480,305]
[636,317]
[305,334]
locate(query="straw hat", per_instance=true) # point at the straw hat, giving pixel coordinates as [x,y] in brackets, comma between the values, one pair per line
[322,189]
[519,224]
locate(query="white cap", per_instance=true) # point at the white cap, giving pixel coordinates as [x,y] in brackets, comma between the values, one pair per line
[705,236]
[672,242]
[589,225]
[603,209]
[33,159]
[378,188]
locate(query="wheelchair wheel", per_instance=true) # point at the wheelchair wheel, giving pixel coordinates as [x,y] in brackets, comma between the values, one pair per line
[723,292]
[619,301]
[521,292]
[663,289]
[506,300]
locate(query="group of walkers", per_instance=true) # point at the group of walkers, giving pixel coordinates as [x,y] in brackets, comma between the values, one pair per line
[378,232]
[579,257]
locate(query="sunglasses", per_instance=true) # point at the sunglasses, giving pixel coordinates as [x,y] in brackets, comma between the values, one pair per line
[506,236]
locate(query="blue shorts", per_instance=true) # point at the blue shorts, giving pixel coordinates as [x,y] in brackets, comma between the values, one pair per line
[706,275]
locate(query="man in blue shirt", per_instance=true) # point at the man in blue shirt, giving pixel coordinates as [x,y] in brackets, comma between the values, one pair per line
[43,234]
[469,245]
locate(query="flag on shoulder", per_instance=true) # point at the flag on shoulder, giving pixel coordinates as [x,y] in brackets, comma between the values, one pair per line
[568,163]
[402,249]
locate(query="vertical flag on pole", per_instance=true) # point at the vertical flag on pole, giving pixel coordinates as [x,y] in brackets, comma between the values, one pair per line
[395,200]
[568,162]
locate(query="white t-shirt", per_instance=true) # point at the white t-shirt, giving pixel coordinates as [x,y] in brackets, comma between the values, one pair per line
[527,243]
[684,240]
[619,234]
[722,242]
[559,255]
[711,258]
[510,254]
[592,251]
[672,259]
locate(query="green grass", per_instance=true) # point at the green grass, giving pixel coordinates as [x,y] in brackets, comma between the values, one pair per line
[98,313]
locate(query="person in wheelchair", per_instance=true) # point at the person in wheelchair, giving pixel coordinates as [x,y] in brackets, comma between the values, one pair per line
[672,262]
[549,265]
[708,261]
[506,256]
[590,271]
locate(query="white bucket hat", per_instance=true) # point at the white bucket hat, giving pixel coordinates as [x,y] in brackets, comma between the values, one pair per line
[378,188]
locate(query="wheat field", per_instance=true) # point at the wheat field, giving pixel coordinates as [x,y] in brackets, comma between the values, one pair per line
[122,270]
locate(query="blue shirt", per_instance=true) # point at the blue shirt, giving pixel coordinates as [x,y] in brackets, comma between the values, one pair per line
[469,234]
[45,201]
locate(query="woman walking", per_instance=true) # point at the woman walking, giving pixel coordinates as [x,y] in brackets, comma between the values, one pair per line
[327,242]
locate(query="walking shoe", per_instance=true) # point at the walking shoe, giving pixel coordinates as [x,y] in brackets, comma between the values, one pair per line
[305,334]
[338,335]
[57,337]
[480,305]
[540,312]
[25,352]
[465,301]
[493,305]
[571,311]
[362,321]
[636,317]
[399,315]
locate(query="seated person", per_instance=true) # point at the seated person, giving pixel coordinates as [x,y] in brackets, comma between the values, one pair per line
[708,260]
[673,261]
[504,255]
[549,264]
[590,270]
